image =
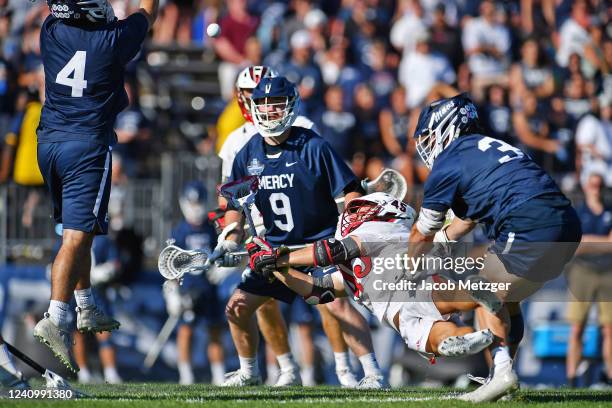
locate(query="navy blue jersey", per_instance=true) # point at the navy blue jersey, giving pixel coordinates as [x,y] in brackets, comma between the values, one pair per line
[190,237]
[482,179]
[297,186]
[84,77]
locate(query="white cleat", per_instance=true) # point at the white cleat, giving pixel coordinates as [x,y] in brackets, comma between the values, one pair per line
[485,298]
[347,378]
[373,382]
[289,378]
[465,345]
[239,379]
[503,381]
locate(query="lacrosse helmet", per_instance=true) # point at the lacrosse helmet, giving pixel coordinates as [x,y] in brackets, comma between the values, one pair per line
[193,202]
[93,11]
[274,105]
[248,79]
[374,207]
[442,122]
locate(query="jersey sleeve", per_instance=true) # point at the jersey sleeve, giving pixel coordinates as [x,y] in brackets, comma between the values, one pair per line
[441,186]
[338,174]
[131,33]
[12,137]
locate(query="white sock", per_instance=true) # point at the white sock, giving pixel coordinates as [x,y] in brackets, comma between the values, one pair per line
[58,313]
[84,375]
[308,373]
[342,361]
[6,361]
[272,372]
[369,365]
[185,373]
[84,298]
[217,370]
[249,366]
[111,375]
[286,362]
[501,356]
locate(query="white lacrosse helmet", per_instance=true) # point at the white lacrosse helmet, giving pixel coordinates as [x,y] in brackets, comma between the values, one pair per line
[248,79]
[274,105]
[193,202]
[374,207]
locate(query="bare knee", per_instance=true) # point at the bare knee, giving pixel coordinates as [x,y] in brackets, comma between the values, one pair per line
[576,332]
[238,309]
[77,240]
[339,307]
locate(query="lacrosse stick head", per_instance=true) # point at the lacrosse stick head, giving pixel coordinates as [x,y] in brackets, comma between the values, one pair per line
[174,262]
[240,192]
[389,181]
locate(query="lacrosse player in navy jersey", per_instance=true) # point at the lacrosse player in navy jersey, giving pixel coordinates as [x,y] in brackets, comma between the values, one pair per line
[84,50]
[196,298]
[534,228]
[299,176]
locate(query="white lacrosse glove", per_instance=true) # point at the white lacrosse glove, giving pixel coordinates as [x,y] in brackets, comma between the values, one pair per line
[442,239]
[220,255]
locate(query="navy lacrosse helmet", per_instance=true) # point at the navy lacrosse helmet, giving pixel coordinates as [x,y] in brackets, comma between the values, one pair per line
[442,122]
[93,11]
[193,202]
[274,105]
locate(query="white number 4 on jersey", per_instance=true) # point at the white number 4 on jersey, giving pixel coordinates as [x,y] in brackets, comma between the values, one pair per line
[76,65]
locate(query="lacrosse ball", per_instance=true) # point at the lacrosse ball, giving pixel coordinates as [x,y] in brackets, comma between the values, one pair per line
[213,30]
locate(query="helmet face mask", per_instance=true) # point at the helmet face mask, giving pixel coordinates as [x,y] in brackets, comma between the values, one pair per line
[379,206]
[274,105]
[193,203]
[247,80]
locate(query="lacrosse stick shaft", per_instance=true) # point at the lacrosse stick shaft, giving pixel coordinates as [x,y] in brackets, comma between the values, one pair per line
[161,339]
[17,353]
[247,213]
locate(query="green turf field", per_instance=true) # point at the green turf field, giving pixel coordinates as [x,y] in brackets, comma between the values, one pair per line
[172,395]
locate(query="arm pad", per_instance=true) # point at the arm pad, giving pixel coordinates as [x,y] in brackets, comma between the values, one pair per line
[322,290]
[430,221]
[332,252]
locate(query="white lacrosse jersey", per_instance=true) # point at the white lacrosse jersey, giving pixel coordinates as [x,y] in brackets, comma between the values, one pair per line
[238,139]
[381,240]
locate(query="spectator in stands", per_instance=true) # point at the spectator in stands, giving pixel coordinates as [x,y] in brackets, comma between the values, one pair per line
[206,13]
[336,71]
[594,139]
[335,124]
[174,23]
[393,123]
[133,133]
[236,28]
[532,131]
[380,75]
[367,133]
[577,96]
[531,73]
[497,115]
[538,20]
[590,275]
[301,70]
[487,45]
[315,22]
[422,70]
[562,126]
[407,28]
[574,37]
[298,10]
[19,156]
[445,39]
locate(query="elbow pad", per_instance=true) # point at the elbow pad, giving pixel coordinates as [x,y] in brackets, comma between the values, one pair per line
[322,290]
[333,252]
[430,221]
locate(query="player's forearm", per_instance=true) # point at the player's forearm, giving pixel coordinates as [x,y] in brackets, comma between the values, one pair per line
[301,257]
[150,9]
[300,283]
[232,216]
[458,228]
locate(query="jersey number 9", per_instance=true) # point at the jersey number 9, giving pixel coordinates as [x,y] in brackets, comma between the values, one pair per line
[76,68]
[284,209]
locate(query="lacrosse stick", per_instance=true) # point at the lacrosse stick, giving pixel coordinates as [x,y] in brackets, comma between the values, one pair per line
[388,181]
[162,338]
[52,380]
[241,193]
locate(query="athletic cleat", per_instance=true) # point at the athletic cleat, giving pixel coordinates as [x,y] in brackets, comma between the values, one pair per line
[502,382]
[93,320]
[289,378]
[58,340]
[468,344]
[373,382]
[239,379]
[346,378]
[9,380]
[483,297]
